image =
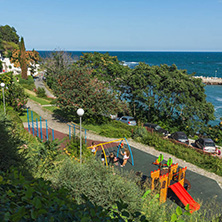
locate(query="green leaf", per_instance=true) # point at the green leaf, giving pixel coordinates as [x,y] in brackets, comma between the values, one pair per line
[125,213]
[146,193]
[37,202]
[160,158]
[174,217]
[169,162]
[179,211]
[187,207]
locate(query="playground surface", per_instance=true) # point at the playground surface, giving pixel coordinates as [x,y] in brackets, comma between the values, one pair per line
[203,189]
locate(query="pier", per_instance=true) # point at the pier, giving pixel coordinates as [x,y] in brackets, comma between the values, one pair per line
[210,80]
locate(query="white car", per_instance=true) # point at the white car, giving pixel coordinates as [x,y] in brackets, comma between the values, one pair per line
[128,120]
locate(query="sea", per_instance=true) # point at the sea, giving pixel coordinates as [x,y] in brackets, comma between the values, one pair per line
[208,64]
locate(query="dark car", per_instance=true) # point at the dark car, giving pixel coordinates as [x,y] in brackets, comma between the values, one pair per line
[206,144]
[156,128]
[180,137]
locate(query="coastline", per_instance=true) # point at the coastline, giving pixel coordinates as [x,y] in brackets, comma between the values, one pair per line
[210,80]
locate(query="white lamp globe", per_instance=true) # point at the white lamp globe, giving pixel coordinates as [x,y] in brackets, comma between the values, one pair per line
[80,112]
[2,84]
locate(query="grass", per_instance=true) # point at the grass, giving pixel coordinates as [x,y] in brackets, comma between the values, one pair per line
[40,100]
[23,116]
[51,108]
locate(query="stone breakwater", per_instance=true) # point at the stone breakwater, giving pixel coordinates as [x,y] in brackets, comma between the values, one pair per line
[210,80]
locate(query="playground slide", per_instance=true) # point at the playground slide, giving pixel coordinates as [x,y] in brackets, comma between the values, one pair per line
[185,197]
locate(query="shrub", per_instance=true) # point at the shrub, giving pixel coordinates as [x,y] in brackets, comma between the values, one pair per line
[115,132]
[36,200]
[41,92]
[9,146]
[73,148]
[97,183]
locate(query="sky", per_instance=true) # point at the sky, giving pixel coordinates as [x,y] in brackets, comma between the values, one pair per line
[116,25]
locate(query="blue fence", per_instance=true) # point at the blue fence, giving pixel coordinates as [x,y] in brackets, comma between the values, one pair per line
[33,127]
[75,127]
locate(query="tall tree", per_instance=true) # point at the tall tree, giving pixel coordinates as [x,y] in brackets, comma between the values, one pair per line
[22,59]
[9,34]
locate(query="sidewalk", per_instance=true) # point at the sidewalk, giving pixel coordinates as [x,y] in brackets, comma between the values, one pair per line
[62,127]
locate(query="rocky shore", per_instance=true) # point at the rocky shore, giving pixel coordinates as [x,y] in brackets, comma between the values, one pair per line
[210,80]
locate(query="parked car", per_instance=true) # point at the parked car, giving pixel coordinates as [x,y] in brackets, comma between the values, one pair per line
[180,137]
[206,144]
[156,128]
[128,120]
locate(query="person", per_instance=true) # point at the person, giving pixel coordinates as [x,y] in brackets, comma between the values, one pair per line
[102,157]
[126,155]
[112,159]
[93,147]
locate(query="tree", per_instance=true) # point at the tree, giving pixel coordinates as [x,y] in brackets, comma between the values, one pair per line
[164,93]
[28,59]
[9,34]
[105,67]
[56,63]
[76,87]
[22,59]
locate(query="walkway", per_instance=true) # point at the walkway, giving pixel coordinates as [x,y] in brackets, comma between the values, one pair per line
[62,127]
[40,84]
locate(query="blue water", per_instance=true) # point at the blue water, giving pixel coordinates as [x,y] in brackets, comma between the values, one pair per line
[200,63]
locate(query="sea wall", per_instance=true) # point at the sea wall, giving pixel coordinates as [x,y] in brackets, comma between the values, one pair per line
[210,80]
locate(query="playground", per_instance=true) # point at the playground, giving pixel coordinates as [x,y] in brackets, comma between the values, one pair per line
[202,189]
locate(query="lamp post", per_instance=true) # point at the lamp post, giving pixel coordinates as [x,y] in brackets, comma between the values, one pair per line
[215,73]
[80,113]
[3,95]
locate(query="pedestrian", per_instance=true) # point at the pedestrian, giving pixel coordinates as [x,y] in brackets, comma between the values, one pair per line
[93,147]
[102,157]
[111,159]
[126,155]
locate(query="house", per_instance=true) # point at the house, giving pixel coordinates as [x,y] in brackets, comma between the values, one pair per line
[8,67]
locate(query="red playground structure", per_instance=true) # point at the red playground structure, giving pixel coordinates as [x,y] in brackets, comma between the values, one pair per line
[170,178]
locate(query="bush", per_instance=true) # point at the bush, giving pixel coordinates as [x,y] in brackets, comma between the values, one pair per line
[9,146]
[27,83]
[36,200]
[73,148]
[41,92]
[139,133]
[189,154]
[97,183]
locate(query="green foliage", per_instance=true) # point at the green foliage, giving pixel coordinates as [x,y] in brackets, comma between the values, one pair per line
[9,34]
[9,146]
[97,183]
[57,62]
[139,133]
[41,92]
[112,129]
[16,97]
[22,59]
[36,200]
[1,66]
[105,67]
[73,148]
[163,92]
[27,83]
[77,88]
[189,154]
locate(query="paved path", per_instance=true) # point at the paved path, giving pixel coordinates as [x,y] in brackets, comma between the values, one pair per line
[62,127]
[40,84]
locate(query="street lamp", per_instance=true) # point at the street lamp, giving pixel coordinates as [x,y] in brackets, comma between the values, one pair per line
[3,95]
[80,113]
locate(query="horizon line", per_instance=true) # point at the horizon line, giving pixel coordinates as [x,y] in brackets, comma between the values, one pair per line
[127,50]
